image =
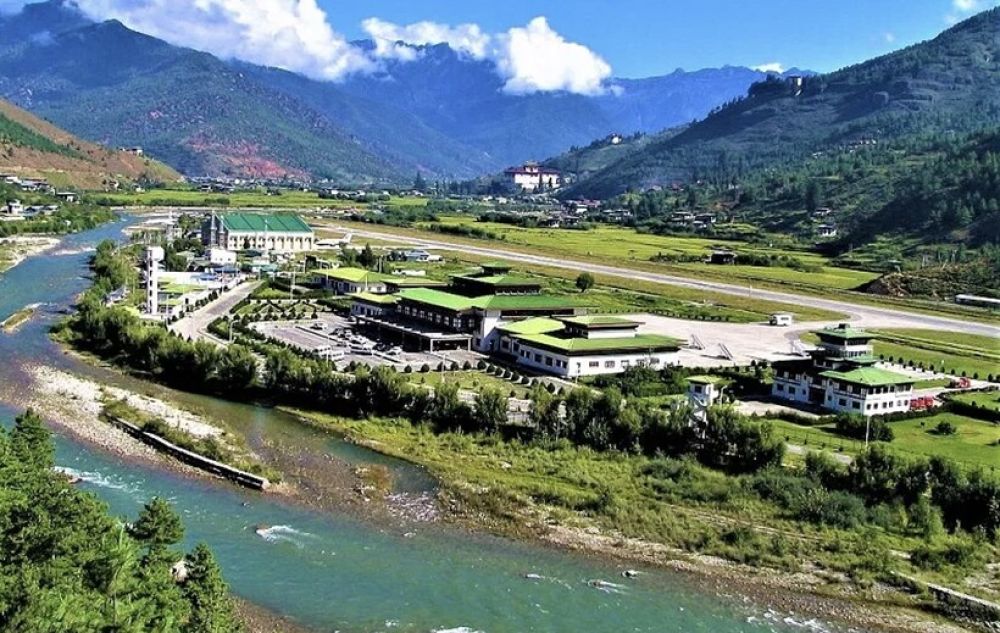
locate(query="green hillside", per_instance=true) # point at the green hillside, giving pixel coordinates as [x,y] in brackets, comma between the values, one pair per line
[945,84]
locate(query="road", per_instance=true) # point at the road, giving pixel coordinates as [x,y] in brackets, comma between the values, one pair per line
[195,324]
[861,315]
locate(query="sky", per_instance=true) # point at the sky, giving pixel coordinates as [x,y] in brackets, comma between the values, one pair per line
[577,46]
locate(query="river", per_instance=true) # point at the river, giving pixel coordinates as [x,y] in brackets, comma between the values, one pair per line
[329,571]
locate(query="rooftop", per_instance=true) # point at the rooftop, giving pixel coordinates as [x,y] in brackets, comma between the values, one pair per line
[437,298]
[869,377]
[641,342]
[524,302]
[371,297]
[536,325]
[259,222]
[705,380]
[843,331]
[600,321]
[354,275]
[500,280]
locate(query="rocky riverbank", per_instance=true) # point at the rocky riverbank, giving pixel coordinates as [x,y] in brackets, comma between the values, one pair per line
[14,250]
[77,405]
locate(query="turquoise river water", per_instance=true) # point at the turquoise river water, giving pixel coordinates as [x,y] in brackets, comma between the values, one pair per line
[339,573]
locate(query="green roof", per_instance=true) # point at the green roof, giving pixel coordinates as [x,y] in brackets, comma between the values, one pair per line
[843,331]
[371,297]
[258,222]
[869,377]
[179,289]
[536,325]
[705,380]
[496,263]
[599,320]
[524,302]
[355,275]
[437,298]
[500,280]
[415,282]
[642,342]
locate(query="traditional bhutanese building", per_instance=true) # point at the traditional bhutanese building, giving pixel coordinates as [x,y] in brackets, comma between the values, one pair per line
[586,345]
[277,232]
[841,376]
[533,177]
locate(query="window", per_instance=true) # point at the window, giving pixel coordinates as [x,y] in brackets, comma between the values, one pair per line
[538,358]
[625,364]
[779,387]
[609,364]
[654,361]
[842,402]
[855,404]
[548,361]
[593,363]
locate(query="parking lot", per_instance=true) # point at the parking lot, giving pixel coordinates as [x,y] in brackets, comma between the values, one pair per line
[334,337]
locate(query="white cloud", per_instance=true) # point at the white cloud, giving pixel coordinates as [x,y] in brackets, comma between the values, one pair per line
[297,35]
[290,34]
[467,39]
[965,6]
[536,58]
[889,37]
[532,58]
[770,67]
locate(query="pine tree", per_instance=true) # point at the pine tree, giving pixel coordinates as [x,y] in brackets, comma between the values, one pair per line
[206,591]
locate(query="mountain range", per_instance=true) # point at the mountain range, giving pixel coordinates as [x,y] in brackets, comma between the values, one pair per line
[442,115]
[946,85]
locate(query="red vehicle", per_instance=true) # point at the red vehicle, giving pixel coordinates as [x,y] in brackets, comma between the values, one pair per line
[922,403]
[960,383]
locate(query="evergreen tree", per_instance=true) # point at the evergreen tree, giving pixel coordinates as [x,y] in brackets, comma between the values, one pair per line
[206,591]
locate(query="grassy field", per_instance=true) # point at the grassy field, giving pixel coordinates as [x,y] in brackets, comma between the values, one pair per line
[987,399]
[946,352]
[976,444]
[624,244]
[514,488]
[468,380]
[631,248]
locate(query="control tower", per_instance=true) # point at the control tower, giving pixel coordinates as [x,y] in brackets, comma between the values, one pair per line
[154,257]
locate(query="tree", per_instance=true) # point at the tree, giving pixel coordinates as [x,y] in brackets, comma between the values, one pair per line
[237,370]
[585,281]
[206,591]
[491,409]
[158,525]
[31,442]
[545,414]
[419,184]
[367,258]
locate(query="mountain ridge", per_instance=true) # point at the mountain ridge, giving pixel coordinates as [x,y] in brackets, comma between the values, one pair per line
[444,115]
[948,82]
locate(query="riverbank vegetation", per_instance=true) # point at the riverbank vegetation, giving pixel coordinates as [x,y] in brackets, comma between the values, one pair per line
[722,485]
[68,565]
[822,516]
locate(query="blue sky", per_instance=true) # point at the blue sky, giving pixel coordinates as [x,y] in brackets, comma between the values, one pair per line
[647,37]
[577,46]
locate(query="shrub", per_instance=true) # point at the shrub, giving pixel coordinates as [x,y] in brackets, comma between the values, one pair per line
[944,427]
[425,368]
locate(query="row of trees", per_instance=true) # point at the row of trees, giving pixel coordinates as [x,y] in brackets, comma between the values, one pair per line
[67,565]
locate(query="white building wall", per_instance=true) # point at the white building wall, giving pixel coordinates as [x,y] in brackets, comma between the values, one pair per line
[593,365]
[795,389]
[867,401]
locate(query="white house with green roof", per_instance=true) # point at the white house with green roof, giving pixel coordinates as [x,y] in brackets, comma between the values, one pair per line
[273,232]
[584,345]
[841,376]
[350,280]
